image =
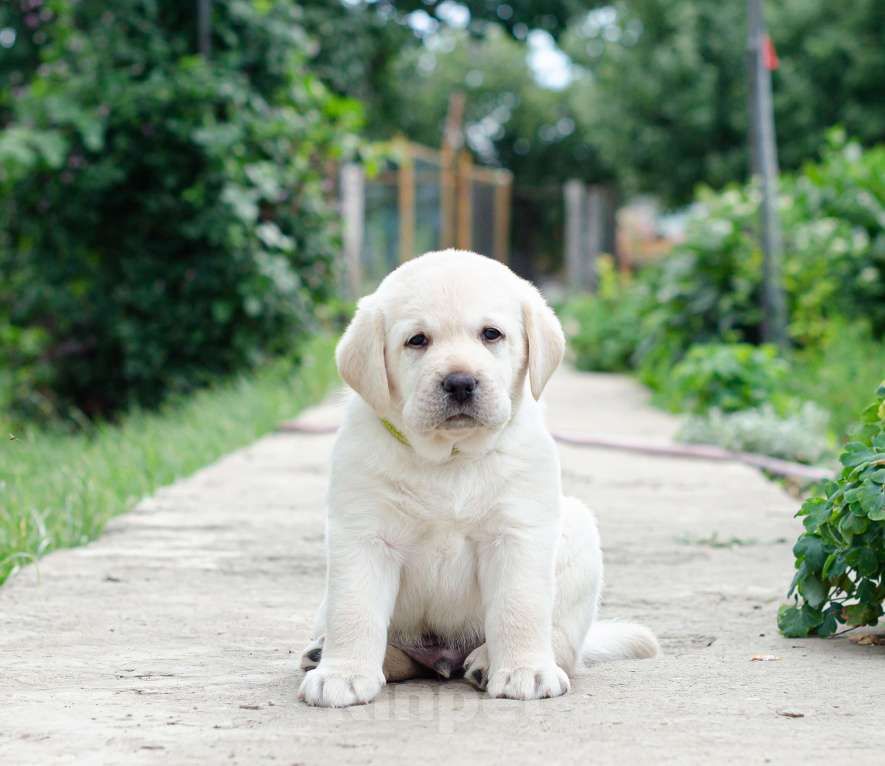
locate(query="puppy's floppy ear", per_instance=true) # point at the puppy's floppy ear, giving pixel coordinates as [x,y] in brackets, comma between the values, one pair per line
[544,340]
[360,356]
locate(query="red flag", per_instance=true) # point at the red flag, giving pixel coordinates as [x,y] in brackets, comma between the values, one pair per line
[769,54]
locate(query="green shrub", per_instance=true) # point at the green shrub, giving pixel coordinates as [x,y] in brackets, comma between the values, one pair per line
[603,329]
[841,201]
[164,217]
[709,288]
[725,376]
[840,558]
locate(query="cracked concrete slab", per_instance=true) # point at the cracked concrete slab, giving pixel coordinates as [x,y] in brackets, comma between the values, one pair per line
[174,638]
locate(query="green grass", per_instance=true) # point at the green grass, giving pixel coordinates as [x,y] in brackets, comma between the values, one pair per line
[60,489]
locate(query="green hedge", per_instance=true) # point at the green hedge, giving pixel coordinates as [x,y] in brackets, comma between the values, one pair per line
[165,219]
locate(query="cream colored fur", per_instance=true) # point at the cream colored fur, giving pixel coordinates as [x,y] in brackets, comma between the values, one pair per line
[464,532]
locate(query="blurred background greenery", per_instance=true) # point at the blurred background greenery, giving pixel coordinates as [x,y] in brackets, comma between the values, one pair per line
[170,220]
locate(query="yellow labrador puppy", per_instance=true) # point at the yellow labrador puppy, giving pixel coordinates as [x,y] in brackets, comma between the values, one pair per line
[451,549]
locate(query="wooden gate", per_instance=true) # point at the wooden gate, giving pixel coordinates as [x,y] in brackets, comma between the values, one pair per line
[425,199]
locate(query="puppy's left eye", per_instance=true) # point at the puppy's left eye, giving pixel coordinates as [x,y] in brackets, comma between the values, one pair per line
[491,334]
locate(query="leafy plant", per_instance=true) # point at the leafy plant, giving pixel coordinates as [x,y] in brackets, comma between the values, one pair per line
[840,558]
[725,376]
[603,329]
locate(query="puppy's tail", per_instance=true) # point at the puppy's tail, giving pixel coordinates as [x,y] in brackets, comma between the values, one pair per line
[610,640]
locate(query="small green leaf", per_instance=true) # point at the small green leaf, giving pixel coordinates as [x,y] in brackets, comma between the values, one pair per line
[834,567]
[872,499]
[798,622]
[854,453]
[867,562]
[812,550]
[813,591]
[859,614]
[816,514]
[851,524]
[828,626]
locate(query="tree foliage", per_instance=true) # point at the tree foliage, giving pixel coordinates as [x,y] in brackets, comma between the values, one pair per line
[667,99]
[164,217]
[516,16]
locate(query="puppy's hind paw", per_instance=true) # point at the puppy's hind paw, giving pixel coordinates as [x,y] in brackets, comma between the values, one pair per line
[312,654]
[476,667]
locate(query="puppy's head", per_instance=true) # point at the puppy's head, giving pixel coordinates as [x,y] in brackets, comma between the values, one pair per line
[446,342]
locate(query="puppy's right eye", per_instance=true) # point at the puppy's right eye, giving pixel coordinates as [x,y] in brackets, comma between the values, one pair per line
[418,341]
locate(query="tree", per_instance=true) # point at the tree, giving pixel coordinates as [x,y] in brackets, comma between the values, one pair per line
[354,49]
[667,100]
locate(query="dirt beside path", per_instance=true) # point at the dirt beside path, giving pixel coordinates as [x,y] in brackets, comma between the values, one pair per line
[174,639]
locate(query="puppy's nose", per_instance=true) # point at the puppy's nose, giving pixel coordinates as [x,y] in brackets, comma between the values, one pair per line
[460,386]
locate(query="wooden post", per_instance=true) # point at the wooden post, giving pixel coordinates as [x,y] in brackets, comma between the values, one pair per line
[573,198]
[594,233]
[353,220]
[764,159]
[465,201]
[406,202]
[610,227]
[453,139]
[447,197]
[503,187]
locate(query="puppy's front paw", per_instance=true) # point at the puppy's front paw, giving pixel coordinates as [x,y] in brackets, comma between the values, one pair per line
[476,667]
[326,687]
[528,683]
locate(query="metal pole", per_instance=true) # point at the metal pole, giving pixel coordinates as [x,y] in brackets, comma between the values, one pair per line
[204,27]
[764,166]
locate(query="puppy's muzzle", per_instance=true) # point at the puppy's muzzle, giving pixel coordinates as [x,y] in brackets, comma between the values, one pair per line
[459,386]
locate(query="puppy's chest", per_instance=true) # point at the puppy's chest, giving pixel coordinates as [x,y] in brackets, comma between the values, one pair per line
[446,501]
[437,537]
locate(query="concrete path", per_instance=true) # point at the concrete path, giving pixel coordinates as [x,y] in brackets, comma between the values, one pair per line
[174,639]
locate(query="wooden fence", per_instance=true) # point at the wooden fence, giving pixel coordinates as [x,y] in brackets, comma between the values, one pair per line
[425,199]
